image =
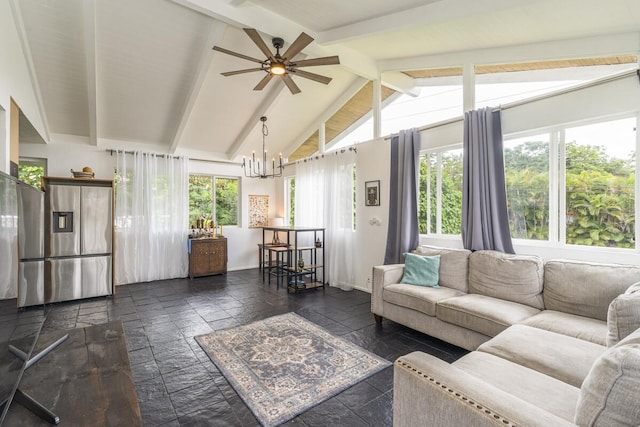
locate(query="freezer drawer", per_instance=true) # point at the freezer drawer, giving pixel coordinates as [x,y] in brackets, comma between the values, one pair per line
[76,278]
[31,283]
[96,220]
[96,276]
[63,221]
[64,279]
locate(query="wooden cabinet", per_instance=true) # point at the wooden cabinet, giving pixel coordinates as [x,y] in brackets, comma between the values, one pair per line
[207,256]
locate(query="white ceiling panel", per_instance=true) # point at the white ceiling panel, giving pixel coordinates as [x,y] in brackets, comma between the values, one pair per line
[328,14]
[148,52]
[55,35]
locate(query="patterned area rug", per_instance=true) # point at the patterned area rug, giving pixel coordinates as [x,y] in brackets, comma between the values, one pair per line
[283,365]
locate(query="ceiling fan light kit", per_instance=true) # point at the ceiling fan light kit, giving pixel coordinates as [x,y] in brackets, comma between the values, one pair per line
[281,65]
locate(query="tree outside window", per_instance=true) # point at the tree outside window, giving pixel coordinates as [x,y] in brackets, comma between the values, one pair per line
[211,195]
[31,171]
[440,197]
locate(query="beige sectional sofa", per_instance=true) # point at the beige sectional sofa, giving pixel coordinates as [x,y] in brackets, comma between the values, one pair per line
[538,336]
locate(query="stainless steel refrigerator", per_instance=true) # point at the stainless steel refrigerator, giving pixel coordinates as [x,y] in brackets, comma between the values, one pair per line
[30,245]
[78,239]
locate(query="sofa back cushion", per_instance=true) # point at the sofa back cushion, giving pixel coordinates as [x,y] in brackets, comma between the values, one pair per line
[516,278]
[623,316]
[585,289]
[609,393]
[454,265]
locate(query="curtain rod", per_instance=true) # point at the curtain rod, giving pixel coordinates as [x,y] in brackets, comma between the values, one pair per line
[195,159]
[319,156]
[514,104]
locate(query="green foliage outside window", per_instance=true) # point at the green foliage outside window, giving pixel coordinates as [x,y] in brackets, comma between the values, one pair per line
[201,200]
[227,201]
[292,202]
[31,174]
[600,196]
[451,215]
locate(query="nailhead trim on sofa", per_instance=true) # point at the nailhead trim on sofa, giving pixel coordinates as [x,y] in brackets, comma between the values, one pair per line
[485,411]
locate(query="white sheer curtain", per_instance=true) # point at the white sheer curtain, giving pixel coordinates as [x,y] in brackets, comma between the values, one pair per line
[324,198]
[152,215]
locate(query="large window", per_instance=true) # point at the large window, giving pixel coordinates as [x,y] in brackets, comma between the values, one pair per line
[572,185]
[213,199]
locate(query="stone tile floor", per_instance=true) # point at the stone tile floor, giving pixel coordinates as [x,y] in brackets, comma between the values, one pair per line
[178,385]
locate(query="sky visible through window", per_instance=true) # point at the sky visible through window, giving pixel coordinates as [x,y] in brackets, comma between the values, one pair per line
[439,102]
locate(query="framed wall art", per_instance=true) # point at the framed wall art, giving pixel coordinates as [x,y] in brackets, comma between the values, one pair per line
[258,211]
[372,193]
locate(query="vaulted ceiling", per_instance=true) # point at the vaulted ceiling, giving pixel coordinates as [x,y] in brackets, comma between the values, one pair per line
[142,73]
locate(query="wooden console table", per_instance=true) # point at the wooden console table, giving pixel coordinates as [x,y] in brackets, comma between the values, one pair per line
[207,256]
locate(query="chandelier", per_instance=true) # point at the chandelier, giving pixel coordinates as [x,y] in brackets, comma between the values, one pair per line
[257,169]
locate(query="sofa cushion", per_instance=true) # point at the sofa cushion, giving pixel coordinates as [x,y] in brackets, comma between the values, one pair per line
[421,270]
[541,390]
[419,298]
[481,313]
[454,266]
[585,289]
[609,394]
[565,358]
[581,327]
[623,316]
[517,278]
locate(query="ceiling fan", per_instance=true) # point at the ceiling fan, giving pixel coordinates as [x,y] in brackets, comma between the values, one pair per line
[281,65]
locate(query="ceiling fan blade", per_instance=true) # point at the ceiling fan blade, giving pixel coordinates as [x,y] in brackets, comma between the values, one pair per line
[233,73]
[255,36]
[239,55]
[296,47]
[312,76]
[290,84]
[327,60]
[263,82]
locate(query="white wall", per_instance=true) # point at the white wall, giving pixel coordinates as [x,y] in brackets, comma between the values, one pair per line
[372,164]
[62,157]
[14,82]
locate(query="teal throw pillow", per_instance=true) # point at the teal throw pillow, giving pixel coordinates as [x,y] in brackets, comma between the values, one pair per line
[421,270]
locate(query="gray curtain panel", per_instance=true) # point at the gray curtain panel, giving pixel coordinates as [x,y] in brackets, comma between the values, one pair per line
[485,223]
[403,233]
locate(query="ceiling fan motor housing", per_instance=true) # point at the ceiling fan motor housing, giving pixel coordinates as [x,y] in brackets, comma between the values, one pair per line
[278,42]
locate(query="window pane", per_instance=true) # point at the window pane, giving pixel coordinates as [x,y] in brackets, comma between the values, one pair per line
[600,183]
[435,103]
[526,163]
[226,201]
[452,192]
[200,199]
[496,88]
